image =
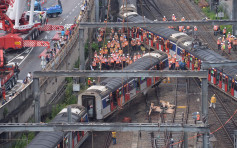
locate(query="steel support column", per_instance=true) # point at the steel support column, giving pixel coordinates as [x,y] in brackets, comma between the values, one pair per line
[234,16]
[82,53]
[69,115]
[103,11]
[205,110]
[204,99]
[185,139]
[205,140]
[235,138]
[36,99]
[97,11]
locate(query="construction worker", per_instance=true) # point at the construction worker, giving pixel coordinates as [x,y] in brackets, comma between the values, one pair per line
[224,31]
[235,44]
[173,18]
[114,137]
[195,31]
[219,43]
[196,64]
[229,47]
[170,64]
[177,65]
[215,29]
[89,82]
[223,47]
[164,18]
[223,38]
[213,101]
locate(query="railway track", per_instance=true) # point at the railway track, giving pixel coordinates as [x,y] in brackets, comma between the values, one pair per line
[222,114]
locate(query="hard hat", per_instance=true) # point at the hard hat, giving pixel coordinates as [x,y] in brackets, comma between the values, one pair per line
[172,14]
[164,16]
[228,32]
[89,78]
[108,41]
[225,27]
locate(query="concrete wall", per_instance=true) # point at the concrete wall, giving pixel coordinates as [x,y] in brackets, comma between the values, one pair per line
[21,108]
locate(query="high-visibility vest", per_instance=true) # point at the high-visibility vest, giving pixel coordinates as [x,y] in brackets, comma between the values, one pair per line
[114,134]
[224,31]
[223,39]
[134,58]
[235,42]
[89,82]
[117,61]
[215,28]
[170,63]
[121,38]
[94,63]
[164,19]
[173,60]
[177,64]
[195,29]
[213,99]
[108,45]
[223,47]
[173,18]
[229,46]
[138,56]
[183,19]
[218,42]
[130,62]
[188,27]
[198,117]
[138,43]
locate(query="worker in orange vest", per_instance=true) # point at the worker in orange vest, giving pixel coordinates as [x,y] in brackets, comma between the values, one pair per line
[164,19]
[173,18]
[229,47]
[224,31]
[235,44]
[170,64]
[134,57]
[215,29]
[219,43]
[195,31]
[177,65]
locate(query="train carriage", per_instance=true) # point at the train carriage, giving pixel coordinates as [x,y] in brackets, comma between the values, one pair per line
[182,46]
[60,139]
[104,99]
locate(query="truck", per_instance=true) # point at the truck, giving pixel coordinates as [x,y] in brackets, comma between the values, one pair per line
[22,28]
[8,74]
[53,11]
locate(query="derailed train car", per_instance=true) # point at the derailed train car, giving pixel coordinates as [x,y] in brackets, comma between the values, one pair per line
[60,139]
[104,99]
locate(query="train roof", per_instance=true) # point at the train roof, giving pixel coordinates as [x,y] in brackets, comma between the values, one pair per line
[51,139]
[207,55]
[164,31]
[144,63]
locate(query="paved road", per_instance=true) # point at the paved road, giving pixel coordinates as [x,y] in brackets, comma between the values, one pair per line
[29,59]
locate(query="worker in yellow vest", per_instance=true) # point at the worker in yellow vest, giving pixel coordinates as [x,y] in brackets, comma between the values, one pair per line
[114,137]
[213,101]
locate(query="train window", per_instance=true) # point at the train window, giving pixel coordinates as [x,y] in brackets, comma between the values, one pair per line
[218,77]
[130,86]
[229,84]
[212,72]
[235,87]
[114,98]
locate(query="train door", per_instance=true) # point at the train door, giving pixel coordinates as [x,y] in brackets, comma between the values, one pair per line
[188,62]
[223,82]
[229,84]
[143,83]
[126,92]
[192,61]
[220,80]
[89,103]
[235,90]
[157,43]
[199,65]
[118,96]
[149,81]
[113,100]
[209,75]
[232,87]
[226,83]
